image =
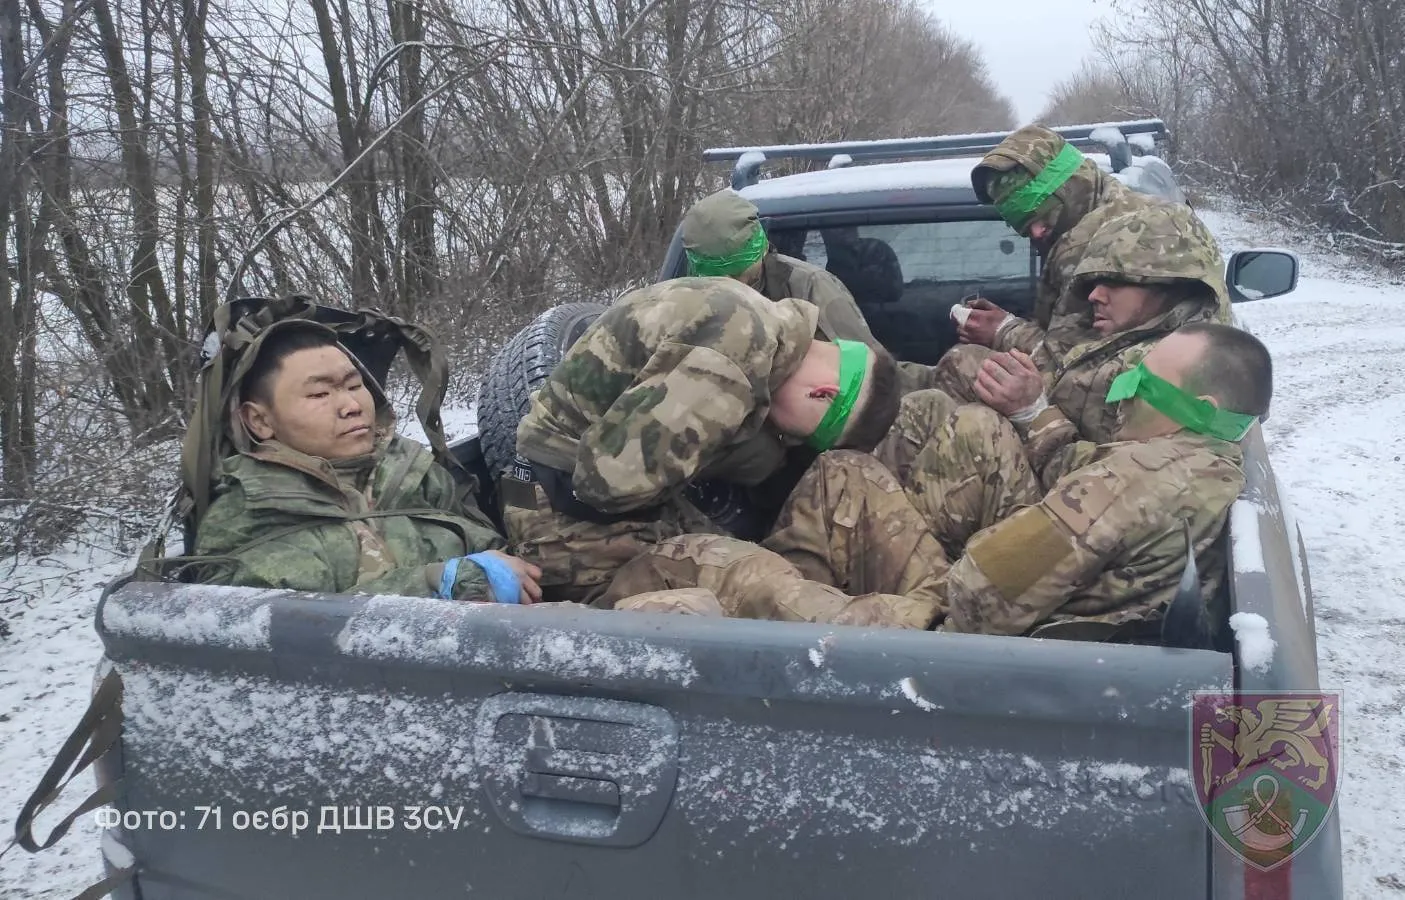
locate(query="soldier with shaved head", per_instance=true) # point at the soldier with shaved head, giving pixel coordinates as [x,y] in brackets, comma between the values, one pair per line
[1021,527]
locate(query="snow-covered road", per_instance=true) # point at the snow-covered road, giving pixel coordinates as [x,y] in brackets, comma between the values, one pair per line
[1337,437]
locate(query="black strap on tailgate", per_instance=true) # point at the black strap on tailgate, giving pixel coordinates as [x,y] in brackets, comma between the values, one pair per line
[97,732]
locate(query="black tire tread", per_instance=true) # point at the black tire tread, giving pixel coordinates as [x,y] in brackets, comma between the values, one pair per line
[519,368]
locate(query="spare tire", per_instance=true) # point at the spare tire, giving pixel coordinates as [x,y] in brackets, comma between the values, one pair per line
[519,368]
[524,363]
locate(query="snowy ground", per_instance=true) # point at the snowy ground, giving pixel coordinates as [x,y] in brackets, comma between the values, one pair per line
[1337,435]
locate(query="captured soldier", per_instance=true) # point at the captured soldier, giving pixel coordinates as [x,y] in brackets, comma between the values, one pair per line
[1143,274]
[688,379]
[722,236]
[1045,534]
[1046,190]
[323,495]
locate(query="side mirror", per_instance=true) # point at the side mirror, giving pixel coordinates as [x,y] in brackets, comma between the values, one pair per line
[1260,274]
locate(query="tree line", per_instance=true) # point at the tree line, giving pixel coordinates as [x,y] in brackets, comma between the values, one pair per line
[462,163]
[1295,106]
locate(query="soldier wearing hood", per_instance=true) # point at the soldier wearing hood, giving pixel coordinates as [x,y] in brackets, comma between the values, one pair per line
[323,495]
[722,235]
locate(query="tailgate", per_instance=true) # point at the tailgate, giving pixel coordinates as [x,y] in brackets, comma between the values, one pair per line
[443,750]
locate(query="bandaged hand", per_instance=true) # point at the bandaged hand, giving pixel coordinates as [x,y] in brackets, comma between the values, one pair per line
[979,321]
[1011,384]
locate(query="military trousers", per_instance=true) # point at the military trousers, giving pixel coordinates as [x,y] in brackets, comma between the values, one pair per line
[863,539]
[578,558]
[847,548]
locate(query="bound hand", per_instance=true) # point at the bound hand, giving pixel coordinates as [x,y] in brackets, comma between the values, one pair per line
[982,322]
[526,573]
[1009,383]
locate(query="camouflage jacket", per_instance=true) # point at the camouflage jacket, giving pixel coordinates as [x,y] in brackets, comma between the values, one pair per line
[305,501]
[1086,200]
[1157,245]
[672,383]
[785,276]
[1107,541]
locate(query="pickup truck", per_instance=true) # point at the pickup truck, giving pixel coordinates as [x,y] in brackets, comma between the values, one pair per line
[281,744]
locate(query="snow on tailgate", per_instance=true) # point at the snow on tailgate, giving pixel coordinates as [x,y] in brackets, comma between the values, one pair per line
[414,629]
[196,615]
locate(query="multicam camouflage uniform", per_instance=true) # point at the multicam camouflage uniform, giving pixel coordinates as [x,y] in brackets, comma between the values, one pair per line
[1044,530]
[281,519]
[1165,244]
[1076,211]
[720,223]
[671,384]
[861,555]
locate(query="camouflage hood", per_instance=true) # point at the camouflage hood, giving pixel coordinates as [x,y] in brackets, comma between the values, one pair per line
[1031,149]
[1162,243]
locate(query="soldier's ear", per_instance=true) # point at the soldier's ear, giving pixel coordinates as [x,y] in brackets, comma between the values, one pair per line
[1210,399]
[257,419]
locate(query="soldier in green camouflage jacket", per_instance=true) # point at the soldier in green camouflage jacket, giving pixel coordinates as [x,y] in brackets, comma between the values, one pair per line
[1042,531]
[326,497]
[688,379]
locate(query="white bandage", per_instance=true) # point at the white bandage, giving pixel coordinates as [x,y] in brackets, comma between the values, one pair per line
[1031,412]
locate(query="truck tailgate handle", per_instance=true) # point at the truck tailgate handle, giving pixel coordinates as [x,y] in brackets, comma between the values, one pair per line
[577,769]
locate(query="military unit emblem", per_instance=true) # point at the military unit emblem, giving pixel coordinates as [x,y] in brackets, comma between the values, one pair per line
[1265,767]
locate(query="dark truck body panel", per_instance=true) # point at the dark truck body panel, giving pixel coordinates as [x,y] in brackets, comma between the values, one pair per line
[714,758]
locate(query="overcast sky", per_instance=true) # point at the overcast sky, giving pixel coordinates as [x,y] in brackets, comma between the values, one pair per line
[1028,45]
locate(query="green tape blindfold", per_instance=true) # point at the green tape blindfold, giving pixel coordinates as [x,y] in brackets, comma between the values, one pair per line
[746,256]
[1200,416]
[853,362]
[1018,208]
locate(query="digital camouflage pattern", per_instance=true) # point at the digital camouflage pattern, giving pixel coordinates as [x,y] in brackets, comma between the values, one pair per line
[305,502]
[672,383]
[1075,212]
[1162,244]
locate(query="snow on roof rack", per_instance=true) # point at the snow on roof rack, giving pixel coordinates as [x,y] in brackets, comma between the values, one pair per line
[750,159]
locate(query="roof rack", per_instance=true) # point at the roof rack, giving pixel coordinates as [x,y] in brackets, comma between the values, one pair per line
[750,159]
